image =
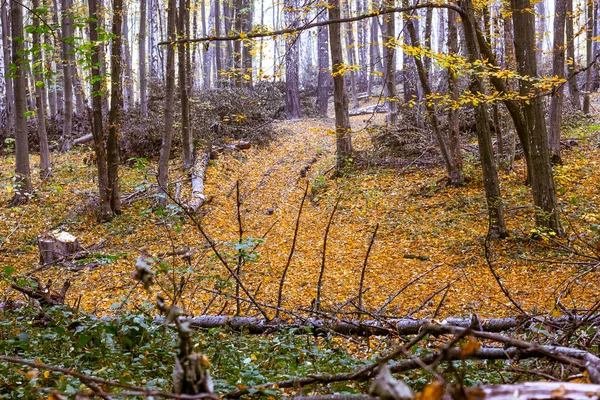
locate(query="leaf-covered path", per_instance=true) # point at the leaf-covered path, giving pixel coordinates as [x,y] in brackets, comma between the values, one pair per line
[423,226]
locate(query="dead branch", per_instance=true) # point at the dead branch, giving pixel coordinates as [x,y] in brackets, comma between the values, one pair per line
[364,268]
[44,294]
[317,304]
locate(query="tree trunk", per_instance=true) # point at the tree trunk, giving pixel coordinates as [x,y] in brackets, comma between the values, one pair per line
[497,227]
[167,137]
[324,76]
[128,92]
[453,115]
[362,45]
[206,61]
[105,212]
[67,49]
[540,9]
[218,54]
[409,79]
[142,61]
[23,173]
[40,88]
[542,183]
[350,53]
[389,55]
[153,11]
[116,93]
[340,99]
[558,70]
[292,95]
[183,90]
[588,54]
[573,88]
[454,175]
[237,45]
[10,99]
[247,46]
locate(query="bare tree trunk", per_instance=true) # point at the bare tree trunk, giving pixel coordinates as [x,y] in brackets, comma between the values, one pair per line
[105,212]
[350,53]
[10,95]
[454,175]
[23,173]
[573,89]
[292,97]
[453,115]
[67,49]
[127,63]
[362,45]
[247,55]
[228,20]
[237,45]
[218,54]
[183,90]
[540,9]
[153,11]
[542,184]
[558,70]
[497,226]
[389,54]
[167,137]
[142,61]
[206,61]
[340,99]
[37,67]
[588,54]
[409,79]
[324,76]
[427,39]
[116,93]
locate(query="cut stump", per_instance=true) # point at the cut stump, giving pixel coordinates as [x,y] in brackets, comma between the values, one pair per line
[57,246]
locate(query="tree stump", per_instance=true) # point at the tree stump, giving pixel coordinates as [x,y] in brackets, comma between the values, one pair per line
[57,246]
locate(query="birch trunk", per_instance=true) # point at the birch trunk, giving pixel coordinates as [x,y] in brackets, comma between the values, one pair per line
[558,70]
[142,61]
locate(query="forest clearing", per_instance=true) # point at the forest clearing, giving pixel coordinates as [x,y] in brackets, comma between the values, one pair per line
[339,200]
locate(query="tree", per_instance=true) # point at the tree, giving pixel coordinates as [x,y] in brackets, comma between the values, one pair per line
[9,92]
[292,61]
[23,185]
[573,89]
[142,61]
[67,56]
[167,136]
[558,70]
[389,55]
[116,101]
[497,226]
[40,98]
[324,76]
[104,213]
[542,182]
[340,99]
[186,133]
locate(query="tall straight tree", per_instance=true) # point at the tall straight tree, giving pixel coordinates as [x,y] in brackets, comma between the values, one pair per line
[350,52]
[10,99]
[127,63]
[542,182]
[217,45]
[142,61]
[167,136]
[558,70]
[343,137]
[453,115]
[206,61]
[183,88]
[497,226]
[67,56]
[40,98]
[389,55]
[573,89]
[292,64]
[324,76]
[116,101]
[589,28]
[23,173]
[105,213]
[246,16]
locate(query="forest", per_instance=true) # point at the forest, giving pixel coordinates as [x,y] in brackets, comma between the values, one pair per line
[340,199]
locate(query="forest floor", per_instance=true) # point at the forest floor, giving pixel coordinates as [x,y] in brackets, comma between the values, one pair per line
[425,228]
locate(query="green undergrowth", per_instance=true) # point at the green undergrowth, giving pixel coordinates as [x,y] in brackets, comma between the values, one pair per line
[131,349]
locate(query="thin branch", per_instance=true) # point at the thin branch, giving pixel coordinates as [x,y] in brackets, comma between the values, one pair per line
[289,260]
[317,305]
[364,268]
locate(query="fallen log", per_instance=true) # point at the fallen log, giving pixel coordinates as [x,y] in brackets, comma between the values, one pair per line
[375,108]
[83,139]
[384,327]
[198,175]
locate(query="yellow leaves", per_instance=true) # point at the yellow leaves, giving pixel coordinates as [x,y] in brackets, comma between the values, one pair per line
[559,393]
[32,373]
[470,347]
[433,391]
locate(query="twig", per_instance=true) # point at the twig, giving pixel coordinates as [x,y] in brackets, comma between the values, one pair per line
[289,260]
[364,268]
[317,305]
